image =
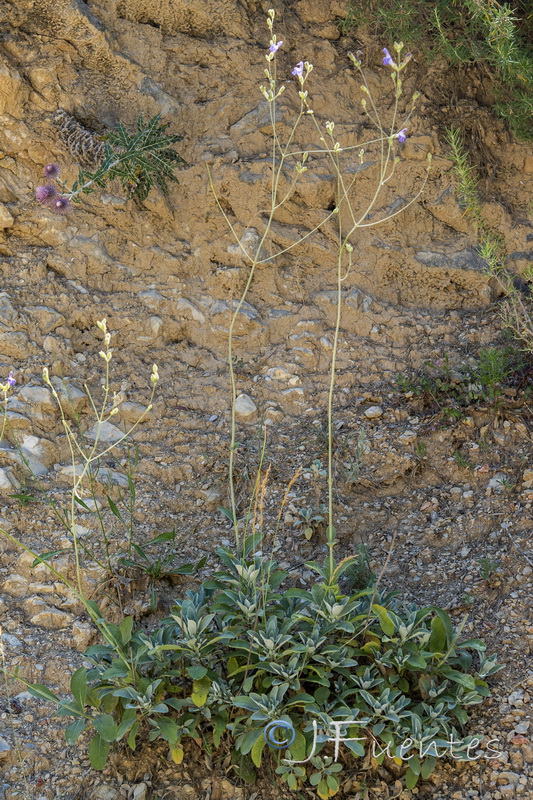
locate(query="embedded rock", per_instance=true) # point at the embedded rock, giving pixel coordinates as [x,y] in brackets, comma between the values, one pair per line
[245,407]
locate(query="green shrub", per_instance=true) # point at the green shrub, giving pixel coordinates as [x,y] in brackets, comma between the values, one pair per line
[246,650]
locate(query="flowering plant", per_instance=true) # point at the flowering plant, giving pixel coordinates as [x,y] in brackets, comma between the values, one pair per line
[137,160]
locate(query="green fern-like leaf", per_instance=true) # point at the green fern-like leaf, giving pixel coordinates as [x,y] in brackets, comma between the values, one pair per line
[138,160]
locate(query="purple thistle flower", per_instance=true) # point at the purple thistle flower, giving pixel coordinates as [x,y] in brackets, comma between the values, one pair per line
[298,70]
[45,194]
[388,61]
[402,135]
[61,205]
[274,47]
[11,380]
[51,171]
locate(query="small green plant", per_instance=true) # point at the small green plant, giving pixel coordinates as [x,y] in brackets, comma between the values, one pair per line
[352,467]
[461,460]
[488,567]
[421,450]
[359,574]
[312,518]
[157,568]
[137,161]
[325,776]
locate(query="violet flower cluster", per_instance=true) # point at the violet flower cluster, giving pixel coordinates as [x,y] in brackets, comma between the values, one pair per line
[4,388]
[49,195]
[388,61]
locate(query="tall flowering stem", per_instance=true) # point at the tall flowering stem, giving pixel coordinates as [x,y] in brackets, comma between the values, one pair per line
[349,221]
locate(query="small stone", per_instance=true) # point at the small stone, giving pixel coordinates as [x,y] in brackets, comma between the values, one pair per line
[522,727]
[132,412]
[245,406]
[527,479]
[187,309]
[52,619]
[82,635]
[278,374]
[8,482]
[139,792]
[498,482]
[11,641]
[15,344]
[39,398]
[15,585]
[26,459]
[70,396]
[508,777]
[6,219]
[108,433]
[48,319]
[407,437]
[373,412]
[105,792]
[5,749]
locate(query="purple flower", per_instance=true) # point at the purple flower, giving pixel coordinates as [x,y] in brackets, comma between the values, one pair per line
[388,61]
[51,171]
[402,135]
[274,47]
[11,380]
[298,70]
[45,194]
[61,205]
